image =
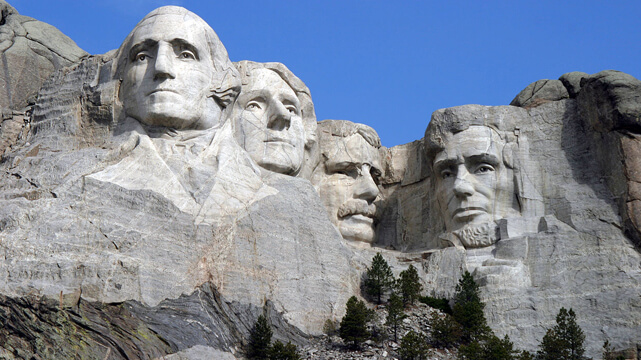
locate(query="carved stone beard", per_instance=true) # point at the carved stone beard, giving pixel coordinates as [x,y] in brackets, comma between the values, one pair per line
[476,236]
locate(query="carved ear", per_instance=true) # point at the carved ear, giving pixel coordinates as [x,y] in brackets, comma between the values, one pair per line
[509,154]
[226,97]
[227,87]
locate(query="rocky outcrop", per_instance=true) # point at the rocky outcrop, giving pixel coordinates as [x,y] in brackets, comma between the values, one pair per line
[31,52]
[540,92]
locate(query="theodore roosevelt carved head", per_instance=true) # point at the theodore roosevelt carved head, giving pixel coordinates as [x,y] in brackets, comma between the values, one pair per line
[347,177]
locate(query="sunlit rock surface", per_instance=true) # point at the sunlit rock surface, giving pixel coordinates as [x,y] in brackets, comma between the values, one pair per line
[133,236]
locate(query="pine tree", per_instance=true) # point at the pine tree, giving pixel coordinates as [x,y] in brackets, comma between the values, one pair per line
[259,339]
[280,351]
[490,348]
[413,346]
[609,354]
[446,333]
[395,313]
[468,309]
[409,285]
[379,277]
[353,327]
[565,340]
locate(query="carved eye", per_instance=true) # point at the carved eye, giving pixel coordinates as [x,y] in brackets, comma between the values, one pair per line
[292,110]
[484,169]
[446,174]
[253,106]
[186,54]
[141,57]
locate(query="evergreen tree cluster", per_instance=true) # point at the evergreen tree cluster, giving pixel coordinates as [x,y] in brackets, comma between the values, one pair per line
[463,326]
[260,347]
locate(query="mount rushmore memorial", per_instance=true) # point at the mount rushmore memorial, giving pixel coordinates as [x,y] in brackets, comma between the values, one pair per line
[158,198]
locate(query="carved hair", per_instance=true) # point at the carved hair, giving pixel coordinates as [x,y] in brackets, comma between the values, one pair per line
[226,82]
[344,128]
[447,122]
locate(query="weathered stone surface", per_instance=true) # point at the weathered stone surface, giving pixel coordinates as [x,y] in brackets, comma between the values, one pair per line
[540,92]
[192,325]
[572,82]
[31,52]
[610,105]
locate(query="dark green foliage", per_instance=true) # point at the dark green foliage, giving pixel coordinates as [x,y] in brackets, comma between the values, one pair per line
[395,313]
[564,341]
[413,346]
[409,285]
[472,351]
[353,327]
[259,339]
[468,309]
[437,303]
[525,355]
[379,278]
[490,348]
[609,354]
[446,333]
[280,351]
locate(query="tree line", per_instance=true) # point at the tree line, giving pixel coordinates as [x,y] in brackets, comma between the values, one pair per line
[462,326]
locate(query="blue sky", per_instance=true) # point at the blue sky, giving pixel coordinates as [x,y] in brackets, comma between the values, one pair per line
[390,64]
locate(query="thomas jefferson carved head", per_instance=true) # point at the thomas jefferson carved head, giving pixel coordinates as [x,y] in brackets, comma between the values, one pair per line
[474,156]
[347,177]
[274,118]
[175,72]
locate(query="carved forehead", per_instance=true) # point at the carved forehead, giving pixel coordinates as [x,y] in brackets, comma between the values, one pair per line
[270,82]
[169,27]
[353,149]
[503,120]
[472,142]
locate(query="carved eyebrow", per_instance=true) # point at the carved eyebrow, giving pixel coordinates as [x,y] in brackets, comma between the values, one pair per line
[184,44]
[332,166]
[440,165]
[290,100]
[143,45]
[484,158]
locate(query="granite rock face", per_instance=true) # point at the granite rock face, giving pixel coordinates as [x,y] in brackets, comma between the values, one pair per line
[132,225]
[31,51]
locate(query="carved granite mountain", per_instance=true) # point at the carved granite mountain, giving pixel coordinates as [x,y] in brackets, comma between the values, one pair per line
[133,226]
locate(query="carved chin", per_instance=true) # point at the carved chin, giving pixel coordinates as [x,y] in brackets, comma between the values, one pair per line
[357,228]
[280,161]
[477,235]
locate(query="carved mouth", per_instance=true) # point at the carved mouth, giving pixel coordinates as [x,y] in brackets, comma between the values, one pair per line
[359,209]
[469,212]
[359,218]
[279,140]
[162,90]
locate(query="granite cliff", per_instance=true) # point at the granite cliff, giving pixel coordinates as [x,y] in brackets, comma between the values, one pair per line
[142,216]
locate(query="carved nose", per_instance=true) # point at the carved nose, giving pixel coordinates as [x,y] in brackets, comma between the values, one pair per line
[280,117]
[163,65]
[366,188]
[462,187]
